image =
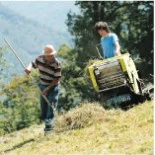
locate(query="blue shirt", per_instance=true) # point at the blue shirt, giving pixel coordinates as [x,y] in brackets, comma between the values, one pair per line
[108,45]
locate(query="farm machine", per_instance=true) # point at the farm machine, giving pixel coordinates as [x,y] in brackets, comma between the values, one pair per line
[117,83]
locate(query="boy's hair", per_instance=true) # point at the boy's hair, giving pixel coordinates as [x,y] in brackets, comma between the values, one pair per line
[102,26]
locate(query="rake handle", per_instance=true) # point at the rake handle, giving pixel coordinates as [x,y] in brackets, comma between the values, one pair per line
[15,53]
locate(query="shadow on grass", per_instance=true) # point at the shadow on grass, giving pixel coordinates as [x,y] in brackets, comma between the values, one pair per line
[18,145]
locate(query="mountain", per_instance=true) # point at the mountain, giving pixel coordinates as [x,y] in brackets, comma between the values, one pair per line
[27,36]
[50,13]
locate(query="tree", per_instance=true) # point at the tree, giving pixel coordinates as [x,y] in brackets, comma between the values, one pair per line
[3,65]
[132,21]
[20,108]
[73,84]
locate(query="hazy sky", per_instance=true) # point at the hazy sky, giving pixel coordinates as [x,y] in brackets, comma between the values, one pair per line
[49,13]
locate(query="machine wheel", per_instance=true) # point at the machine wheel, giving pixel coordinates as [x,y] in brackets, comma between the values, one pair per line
[121,101]
[148,91]
[150,96]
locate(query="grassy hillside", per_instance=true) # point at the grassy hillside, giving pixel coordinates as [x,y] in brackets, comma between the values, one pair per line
[88,129]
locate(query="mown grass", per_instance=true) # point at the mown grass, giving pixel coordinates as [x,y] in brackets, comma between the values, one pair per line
[88,129]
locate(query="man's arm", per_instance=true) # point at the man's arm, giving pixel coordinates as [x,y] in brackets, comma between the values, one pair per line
[30,66]
[117,52]
[46,90]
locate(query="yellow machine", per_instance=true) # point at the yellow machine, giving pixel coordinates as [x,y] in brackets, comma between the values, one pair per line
[116,80]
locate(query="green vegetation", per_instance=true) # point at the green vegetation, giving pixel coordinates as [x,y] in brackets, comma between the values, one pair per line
[21,105]
[74,84]
[132,21]
[81,127]
[96,131]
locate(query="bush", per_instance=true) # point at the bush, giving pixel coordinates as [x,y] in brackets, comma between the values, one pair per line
[20,109]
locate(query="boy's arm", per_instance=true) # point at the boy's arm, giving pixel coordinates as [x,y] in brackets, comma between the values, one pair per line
[117,52]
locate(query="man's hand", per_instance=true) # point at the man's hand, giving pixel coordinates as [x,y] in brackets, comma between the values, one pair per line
[27,71]
[45,91]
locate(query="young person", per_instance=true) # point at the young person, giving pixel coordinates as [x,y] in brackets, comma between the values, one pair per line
[109,41]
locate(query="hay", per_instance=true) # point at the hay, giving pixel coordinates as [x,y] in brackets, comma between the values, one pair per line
[80,117]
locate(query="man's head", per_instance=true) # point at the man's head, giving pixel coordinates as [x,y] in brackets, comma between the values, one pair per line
[48,53]
[102,28]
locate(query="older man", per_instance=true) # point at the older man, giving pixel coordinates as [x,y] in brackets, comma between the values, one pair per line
[50,73]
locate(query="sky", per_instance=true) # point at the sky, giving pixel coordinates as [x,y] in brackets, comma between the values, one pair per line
[49,13]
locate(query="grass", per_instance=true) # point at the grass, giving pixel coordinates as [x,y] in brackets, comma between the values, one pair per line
[88,130]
